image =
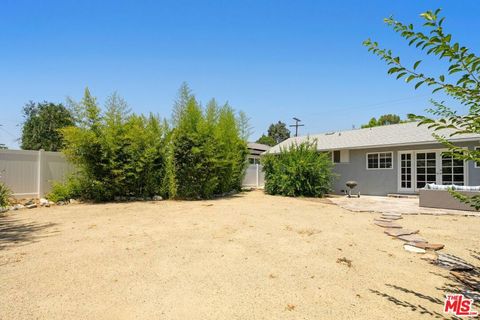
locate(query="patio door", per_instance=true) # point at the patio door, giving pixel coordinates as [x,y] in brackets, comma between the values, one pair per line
[453,170]
[405,171]
[417,168]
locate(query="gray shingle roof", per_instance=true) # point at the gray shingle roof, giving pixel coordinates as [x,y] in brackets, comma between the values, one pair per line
[257,149]
[257,146]
[392,135]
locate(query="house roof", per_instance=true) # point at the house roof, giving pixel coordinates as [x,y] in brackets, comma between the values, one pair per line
[383,136]
[257,148]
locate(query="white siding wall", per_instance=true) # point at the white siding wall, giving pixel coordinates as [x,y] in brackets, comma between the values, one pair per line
[31,173]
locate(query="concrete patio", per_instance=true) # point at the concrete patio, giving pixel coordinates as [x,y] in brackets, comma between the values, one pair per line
[391,204]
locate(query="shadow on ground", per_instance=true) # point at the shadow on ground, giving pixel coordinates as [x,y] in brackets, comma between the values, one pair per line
[17,232]
[452,285]
[411,305]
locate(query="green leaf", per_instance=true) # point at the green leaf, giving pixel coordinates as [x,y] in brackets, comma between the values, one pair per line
[455,70]
[409,78]
[416,64]
[419,84]
[392,70]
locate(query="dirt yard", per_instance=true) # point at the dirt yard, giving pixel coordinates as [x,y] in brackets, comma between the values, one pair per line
[250,256]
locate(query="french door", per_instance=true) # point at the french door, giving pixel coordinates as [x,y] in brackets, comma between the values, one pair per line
[453,170]
[417,168]
[406,172]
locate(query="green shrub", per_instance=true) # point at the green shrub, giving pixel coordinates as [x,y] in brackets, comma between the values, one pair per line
[5,194]
[116,153]
[70,189]
[298,171]
[208,152]
[126,155]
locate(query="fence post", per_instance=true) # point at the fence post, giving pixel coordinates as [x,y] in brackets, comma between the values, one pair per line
[40,173]
[256,175]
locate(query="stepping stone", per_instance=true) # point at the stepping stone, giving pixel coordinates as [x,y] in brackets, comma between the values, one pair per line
[387,224]
[391,217]
[400,232]
[413,249]
[430,256]
[427,246]
[411,238]
[382,220]
[392,214]
[453,263]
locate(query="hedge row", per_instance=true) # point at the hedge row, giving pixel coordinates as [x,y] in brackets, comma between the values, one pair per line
[199,154]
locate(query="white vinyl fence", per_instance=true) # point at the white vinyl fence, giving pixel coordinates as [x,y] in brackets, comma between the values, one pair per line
[29,174]
[254,176]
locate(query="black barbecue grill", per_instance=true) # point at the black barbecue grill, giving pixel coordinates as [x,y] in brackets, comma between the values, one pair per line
[351,185]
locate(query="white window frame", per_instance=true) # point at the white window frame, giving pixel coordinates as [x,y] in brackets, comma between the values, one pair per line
[475,162]
[378,153]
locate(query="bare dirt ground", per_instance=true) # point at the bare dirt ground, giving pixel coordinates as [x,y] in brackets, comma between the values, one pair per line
[250,256]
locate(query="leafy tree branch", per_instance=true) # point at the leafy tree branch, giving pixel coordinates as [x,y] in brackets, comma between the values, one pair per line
[461,82]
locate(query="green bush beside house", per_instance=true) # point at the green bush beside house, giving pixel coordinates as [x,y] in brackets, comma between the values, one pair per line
[298,171]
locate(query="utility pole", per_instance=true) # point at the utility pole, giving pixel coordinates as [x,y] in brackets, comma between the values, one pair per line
[296,125]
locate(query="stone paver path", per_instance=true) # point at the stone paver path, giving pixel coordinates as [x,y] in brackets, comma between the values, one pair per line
[411,238]
[415,244]
[391,210]
[387,224]
[400,232]
[390,217]
[390,206]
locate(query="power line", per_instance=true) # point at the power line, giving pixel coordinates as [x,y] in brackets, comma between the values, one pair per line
[7,132]
[296,125]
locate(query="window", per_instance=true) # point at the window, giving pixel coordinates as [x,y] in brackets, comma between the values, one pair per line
[336,156]
[452,170]
[477,164]
[340,156]
[379,160]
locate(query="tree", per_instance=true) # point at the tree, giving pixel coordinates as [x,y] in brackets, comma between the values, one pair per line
[42,124]
[244,125]
[383,120]
[278,132]
[119,154]
[461,82]
[269,141]
[180,104]
[208,151]
[116,153]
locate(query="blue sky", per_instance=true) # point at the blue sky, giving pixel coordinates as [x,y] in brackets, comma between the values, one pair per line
[272,59]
